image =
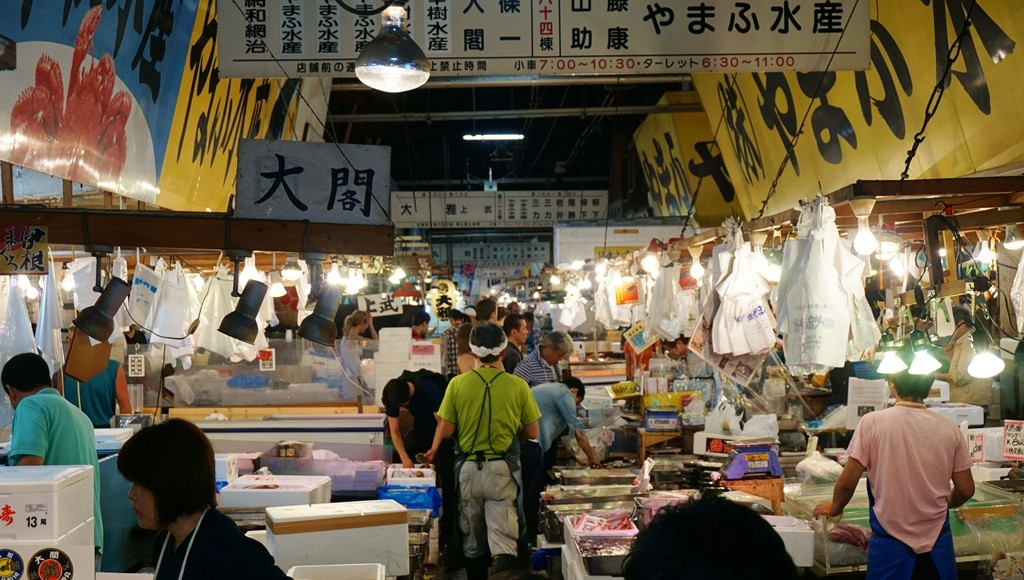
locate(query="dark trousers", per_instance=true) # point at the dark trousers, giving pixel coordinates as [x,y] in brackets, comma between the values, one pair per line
[532,460]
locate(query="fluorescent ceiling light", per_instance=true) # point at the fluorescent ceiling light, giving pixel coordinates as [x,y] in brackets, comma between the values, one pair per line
[494,137]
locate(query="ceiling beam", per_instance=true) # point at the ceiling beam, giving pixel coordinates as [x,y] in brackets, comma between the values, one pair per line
[438,116]
[194,230]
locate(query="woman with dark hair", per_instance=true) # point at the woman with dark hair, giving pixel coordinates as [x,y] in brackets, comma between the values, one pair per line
[172,472]
[466,361]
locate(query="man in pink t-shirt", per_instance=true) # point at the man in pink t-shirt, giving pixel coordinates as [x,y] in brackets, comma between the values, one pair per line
[910,454]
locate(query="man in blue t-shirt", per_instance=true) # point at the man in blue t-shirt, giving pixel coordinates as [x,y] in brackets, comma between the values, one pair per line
[47,429]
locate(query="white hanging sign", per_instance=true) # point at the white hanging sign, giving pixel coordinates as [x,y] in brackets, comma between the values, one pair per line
[320,182]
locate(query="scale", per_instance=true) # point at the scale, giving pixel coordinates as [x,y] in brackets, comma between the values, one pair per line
[753,457]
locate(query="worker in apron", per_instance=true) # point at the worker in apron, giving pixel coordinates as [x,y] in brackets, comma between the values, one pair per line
[910,455]
[488,407]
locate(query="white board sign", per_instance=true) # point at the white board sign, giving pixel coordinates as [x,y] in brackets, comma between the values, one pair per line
[495,209]
[863,397]
[278,38]
[379,304]
[320,182]
[1013,440]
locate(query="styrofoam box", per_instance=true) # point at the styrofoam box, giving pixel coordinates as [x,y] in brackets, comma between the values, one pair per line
[58,497]
[226,465]
[431,363]
[338,572]
[291,490]
[260,536]
[108,435]
[798,537]
[959,412]
[384,372]
[338,533]
[982,472]
[398,475]
[78,545]
[994,442]
[391,353]
[939,392]
[395,333]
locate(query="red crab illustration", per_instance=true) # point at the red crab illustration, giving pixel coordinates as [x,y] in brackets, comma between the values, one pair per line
[84,138]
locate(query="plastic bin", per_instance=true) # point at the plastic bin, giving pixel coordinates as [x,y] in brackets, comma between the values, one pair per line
[338,572]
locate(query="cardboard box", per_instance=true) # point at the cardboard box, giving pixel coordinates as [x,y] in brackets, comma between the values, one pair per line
[275,490]
[376,530]
[45,502]
[798,537]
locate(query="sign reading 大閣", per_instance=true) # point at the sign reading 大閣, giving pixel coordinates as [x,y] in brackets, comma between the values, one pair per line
[25,249]
[277,38]
[320,182]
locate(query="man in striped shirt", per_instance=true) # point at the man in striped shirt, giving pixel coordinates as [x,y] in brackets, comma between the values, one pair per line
[541,366]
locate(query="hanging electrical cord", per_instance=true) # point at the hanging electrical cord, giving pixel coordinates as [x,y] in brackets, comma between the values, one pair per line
[800,130]
[312,111]
[936,97]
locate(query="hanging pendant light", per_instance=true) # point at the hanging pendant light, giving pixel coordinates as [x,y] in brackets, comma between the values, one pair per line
[241,323]
[319,326]
[984,254]
[98,320]
[696,270]
[891,362]
[986,364]
[277,288]
[924,363]
[1014,238]
[292,271]
[864,242]
[397,276]
[392,62]
[67,282]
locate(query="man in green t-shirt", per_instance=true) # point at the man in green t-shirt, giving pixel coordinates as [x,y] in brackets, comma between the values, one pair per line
[47,429]
[488,406]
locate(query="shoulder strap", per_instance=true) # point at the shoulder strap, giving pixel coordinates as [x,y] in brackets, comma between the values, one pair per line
[485,381]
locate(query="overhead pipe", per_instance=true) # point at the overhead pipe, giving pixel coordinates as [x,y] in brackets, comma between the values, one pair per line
[512,114]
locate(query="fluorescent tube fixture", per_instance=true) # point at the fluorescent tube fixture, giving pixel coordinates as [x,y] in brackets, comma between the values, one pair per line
[494,137]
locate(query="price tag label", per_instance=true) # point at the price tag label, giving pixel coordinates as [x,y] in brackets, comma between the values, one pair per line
[1013,440]
[268,359]
[976,444]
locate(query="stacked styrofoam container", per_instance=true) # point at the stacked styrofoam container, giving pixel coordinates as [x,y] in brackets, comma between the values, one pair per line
[424,354]
[797,536]
[46,514]
[411,477]
[250,491]
[339,572]
[392,356]
[226,467]
[340,533]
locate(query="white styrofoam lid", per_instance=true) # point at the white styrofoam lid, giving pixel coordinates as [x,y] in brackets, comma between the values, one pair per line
[251,478]
[299,513]
[114,434]
[41,478]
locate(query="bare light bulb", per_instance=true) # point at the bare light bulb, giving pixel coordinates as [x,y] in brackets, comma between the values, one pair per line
[397,275]
[67,283]
[897,266]
[556,279]
[334,275]
[891,364]
[650,263]
[696,270]
[30,292]
[277,288]
[864,243]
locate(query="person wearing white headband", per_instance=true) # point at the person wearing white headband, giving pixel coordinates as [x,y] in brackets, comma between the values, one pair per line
[489,407]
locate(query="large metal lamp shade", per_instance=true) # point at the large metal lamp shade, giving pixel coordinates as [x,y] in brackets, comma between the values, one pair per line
[319,326]
[241,323]
[97,320]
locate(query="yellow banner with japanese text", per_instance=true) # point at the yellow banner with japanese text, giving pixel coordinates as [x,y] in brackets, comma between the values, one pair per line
[861,124]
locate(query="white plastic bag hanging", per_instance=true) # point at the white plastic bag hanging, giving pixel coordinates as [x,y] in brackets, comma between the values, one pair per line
[119,269]
[663,316]
[217,305]
[15,327]
[1017,294]
[145,284]
[48,335]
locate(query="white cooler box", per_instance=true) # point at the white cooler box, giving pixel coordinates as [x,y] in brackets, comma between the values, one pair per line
[275,490]
[45,502]
[340,533]
[226,465]
[338,572]
[960,412]
[798,537]
[411,476]
[73,554]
